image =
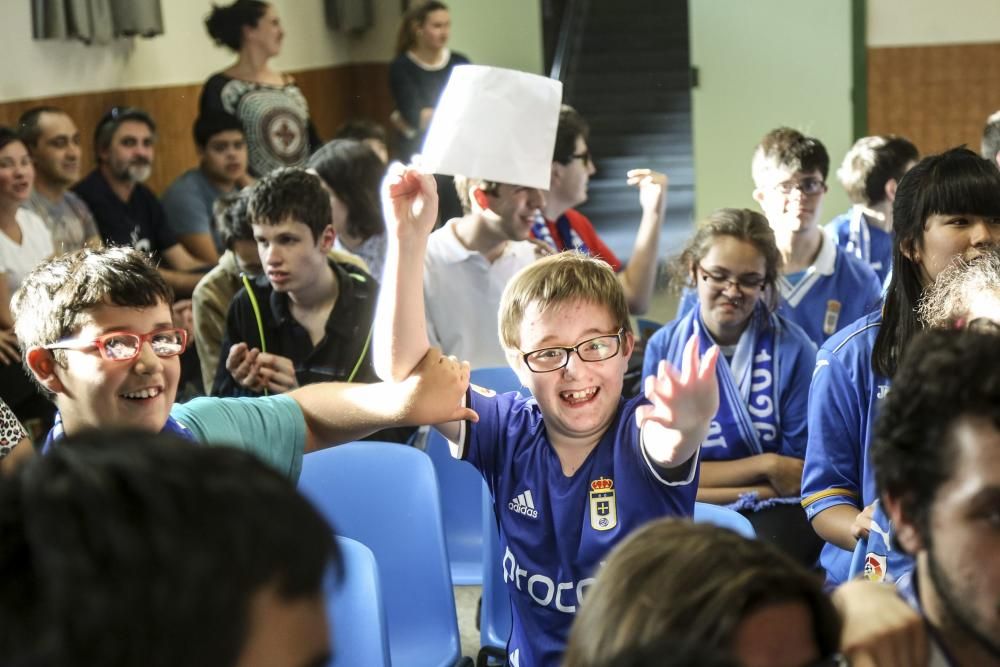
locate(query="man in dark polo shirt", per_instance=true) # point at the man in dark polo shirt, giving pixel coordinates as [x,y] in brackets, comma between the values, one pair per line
[127,212]
[315,314]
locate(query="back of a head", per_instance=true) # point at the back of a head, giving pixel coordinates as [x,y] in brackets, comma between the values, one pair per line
[225,23]
[674,578]
[562,278]
[57,293]
[232,218]
[944,375]
[669,652]
[290,193]
[123,549]
[354,172]
[991,138]
[871,163]
[788,149]
[964,293]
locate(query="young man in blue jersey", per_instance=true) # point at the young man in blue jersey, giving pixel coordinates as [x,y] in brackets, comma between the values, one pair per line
[96,333]
[576,468]
[946,207]
[823,288]
[937,464]
[870,173]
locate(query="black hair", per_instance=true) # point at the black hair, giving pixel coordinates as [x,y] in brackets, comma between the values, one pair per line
[945,375]
[9,136]
[27,124]
[225,22]
[361,129]
[354,172]
[109,123]
[571,125]
[232,219]
[290,193]
[210,123]
[155,542]
[956,181]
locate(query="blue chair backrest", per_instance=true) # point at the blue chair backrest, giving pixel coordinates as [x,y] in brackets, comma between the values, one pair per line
[359,635]
[461,488]
[647,328]
[725,517]
[386,497]
[501,379]
[495,620]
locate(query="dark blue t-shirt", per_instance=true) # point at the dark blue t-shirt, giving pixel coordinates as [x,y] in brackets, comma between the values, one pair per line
[140,222]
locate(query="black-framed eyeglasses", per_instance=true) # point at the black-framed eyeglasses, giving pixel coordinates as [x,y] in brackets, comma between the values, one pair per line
[807,186]
[125,345]
[550,359]
[584,157]
[748,282]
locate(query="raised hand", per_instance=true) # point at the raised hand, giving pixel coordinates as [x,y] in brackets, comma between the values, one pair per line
[682,404]
[409,201]
[652,189]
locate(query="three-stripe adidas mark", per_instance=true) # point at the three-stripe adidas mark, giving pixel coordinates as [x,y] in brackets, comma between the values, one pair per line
[523,504]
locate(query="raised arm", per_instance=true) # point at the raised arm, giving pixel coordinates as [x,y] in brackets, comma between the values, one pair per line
[639,275]
[410,203]
[682,404]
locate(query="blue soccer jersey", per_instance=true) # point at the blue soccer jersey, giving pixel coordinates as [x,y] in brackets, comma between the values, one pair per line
[843,401]
[556,530]
[864,240]
[835,291]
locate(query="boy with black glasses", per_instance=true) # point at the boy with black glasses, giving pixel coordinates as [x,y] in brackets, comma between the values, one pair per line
[577,467]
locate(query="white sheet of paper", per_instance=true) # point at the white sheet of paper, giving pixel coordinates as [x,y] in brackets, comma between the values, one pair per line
[495,124]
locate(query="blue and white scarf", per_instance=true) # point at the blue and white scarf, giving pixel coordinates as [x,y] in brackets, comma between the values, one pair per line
[568,238]
[859,240]
[56,433]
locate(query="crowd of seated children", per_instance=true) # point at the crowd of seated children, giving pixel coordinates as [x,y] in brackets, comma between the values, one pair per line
[870,174]
[947,207]
[752,457]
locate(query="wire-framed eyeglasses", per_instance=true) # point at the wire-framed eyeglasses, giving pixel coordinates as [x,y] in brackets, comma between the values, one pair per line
[125,345]
[549,359]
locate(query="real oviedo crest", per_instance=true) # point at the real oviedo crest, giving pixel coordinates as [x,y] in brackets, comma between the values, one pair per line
[603,511]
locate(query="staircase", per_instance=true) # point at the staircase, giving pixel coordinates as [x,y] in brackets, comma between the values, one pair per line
[626,68]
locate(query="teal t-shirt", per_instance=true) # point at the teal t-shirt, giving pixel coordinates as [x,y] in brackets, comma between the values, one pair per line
[272,428]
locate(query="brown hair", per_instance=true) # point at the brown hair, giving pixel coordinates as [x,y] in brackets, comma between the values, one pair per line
[697,581]
[414,17]
[741,224]
[557,279]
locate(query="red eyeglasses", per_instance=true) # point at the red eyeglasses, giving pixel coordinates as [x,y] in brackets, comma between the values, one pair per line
[125,345]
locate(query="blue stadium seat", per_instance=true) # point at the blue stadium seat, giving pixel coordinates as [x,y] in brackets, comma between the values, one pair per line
[461,488]
[500,379]
[725,517]
[495,615]
[385,496]
[355,610]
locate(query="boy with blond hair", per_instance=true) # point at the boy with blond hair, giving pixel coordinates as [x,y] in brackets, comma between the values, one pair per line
[577,467]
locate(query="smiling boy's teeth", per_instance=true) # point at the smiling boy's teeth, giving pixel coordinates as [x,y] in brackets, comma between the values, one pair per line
[144,393]
[583,393]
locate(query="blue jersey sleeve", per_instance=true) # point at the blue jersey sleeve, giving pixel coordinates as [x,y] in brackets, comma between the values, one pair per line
[832,472]
[272,428]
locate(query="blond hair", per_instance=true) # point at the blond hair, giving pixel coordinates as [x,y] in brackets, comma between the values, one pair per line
[561,278]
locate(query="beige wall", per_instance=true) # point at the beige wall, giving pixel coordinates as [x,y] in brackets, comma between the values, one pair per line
[922,22]
[506,34]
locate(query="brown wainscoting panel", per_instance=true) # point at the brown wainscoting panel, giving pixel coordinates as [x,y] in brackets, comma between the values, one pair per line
[335,94]
[936,96]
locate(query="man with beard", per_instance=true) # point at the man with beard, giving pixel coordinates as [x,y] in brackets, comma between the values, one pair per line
[937,466]
[54,143]
[127,212]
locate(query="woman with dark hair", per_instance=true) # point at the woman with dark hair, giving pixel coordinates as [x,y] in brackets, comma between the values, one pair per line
[274,112]
[752,458]
[352,174]
[421,69]
[946,207]
[714,588]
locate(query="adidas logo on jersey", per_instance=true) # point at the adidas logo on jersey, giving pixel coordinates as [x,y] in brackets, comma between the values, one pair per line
[523,504]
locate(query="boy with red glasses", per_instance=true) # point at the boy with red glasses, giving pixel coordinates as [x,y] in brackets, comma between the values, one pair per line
[96,333]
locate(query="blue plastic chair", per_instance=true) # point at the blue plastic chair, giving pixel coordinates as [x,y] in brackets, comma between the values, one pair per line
[646,328]
[461,487]
[501,379]
[354,607]
[495,614]
[385,496]
[725,517]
